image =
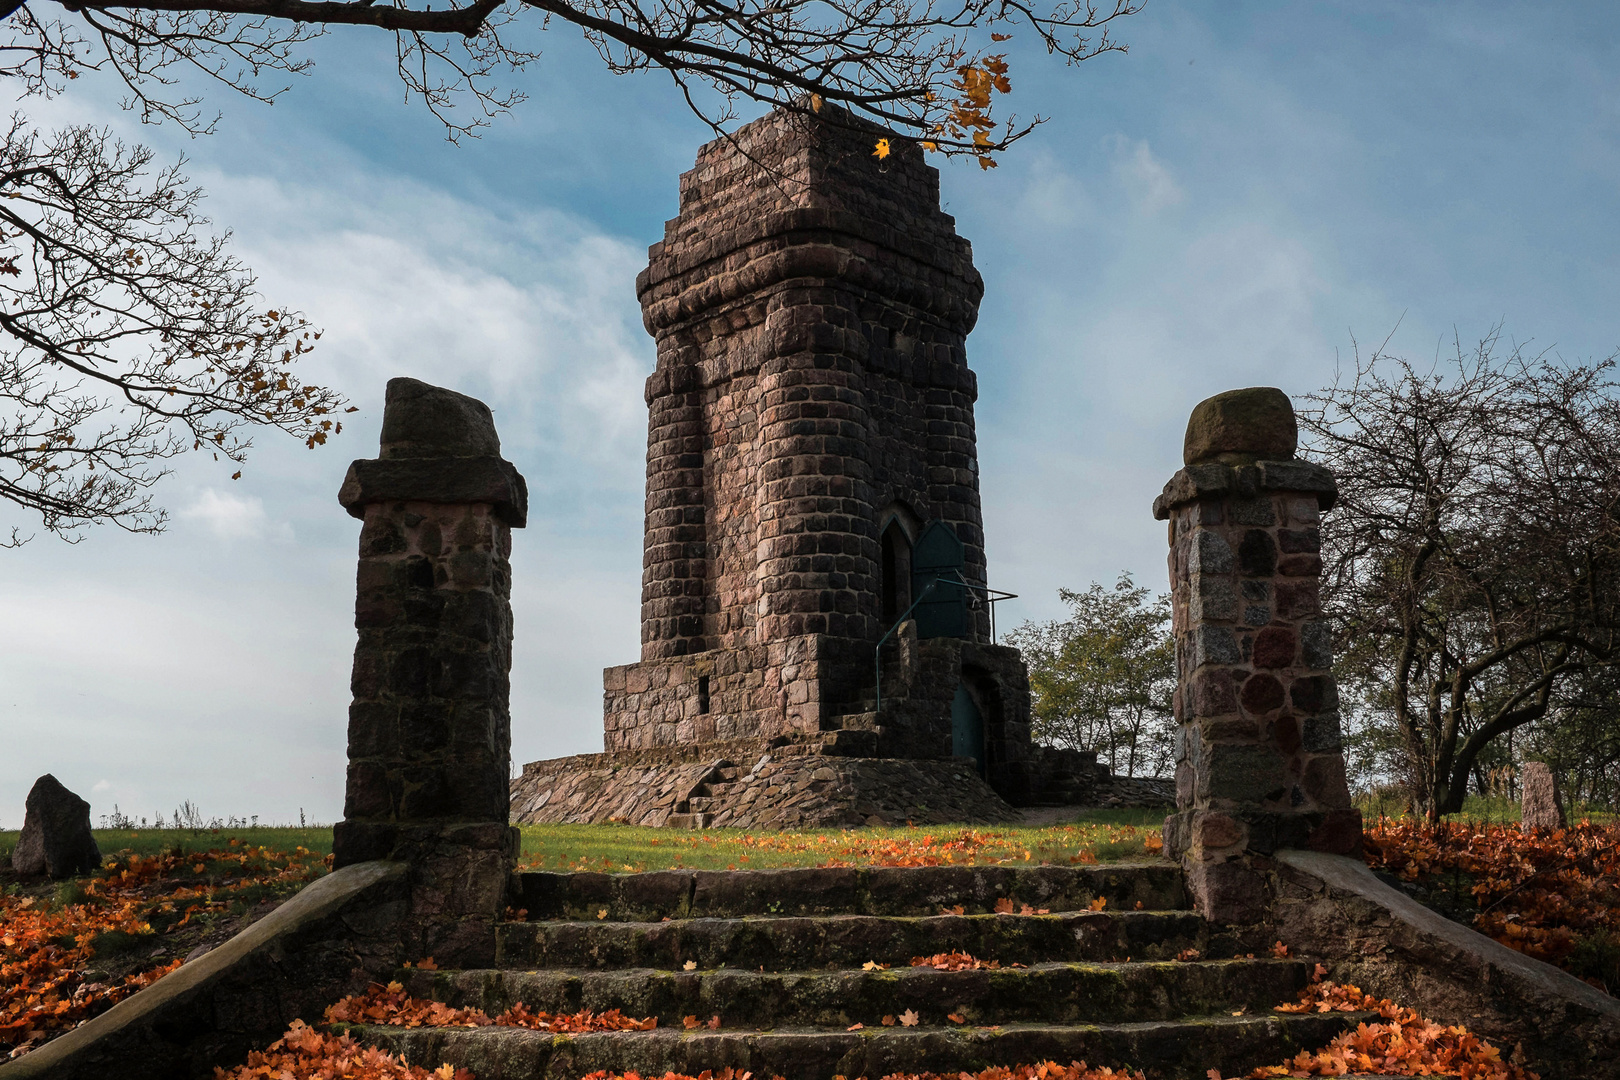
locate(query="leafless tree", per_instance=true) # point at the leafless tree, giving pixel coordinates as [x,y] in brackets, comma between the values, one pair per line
[1473,559]
[126,337]
[925,68]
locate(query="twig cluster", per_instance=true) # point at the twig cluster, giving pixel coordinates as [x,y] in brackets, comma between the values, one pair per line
[129,335]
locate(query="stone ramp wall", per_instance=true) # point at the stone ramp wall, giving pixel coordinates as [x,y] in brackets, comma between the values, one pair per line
[771,791]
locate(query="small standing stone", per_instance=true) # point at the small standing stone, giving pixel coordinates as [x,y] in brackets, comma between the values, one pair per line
[1541,810]
[56,838]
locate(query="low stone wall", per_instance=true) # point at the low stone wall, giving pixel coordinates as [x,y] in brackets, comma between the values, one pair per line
[1135,792]
[1332,908]
[752,785]
[336,935]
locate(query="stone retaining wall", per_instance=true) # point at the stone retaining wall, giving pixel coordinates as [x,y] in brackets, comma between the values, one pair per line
[771,791]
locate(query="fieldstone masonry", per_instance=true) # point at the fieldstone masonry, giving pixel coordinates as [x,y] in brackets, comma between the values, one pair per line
[1259,764]
[746,787]
[429,729]
[810,427]
[811,307]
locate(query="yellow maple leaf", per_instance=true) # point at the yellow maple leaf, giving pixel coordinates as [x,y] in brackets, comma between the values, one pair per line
[882,150]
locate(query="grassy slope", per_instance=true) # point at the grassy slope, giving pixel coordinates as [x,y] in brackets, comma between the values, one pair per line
[1109,835]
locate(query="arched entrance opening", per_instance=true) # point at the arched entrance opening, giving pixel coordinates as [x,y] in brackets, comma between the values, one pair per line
[895,572]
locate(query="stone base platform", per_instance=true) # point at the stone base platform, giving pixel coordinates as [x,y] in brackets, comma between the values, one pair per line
[752,783]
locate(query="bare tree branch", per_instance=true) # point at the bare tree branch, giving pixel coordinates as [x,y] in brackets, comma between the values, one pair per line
[1474,557]
[921,67]
[128,338]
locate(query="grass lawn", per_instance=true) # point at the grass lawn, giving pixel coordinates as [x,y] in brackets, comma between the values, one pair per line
[1100,835]
[1477,809]
[145,842]
[1103,835]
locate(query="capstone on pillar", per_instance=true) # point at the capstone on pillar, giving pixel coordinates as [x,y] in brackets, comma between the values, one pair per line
[430,727]
[1259,760]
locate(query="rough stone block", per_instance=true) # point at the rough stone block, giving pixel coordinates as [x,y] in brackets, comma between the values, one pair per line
[1274,647]
[1210,554]
[55,838]
[1322,734]
[1243,773]
[1213,645]
[1325,783]
[1241,426]
[1541,809]
[1213,598]
[1316,645]
[1262,694]
[1257,554]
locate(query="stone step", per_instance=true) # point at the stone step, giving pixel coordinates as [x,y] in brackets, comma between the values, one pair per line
[1168,1050]
[1073,993]
[807,942]
[686,820]
[702,804]
[850,741]
[860,715]
[677,894]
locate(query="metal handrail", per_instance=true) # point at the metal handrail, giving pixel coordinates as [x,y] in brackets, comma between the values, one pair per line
[877,651]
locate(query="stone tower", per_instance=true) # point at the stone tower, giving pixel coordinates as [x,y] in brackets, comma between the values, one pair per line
[810,415]
[812,474]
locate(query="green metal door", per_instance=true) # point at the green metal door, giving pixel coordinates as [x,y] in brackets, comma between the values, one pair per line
[938,554]
[967,728]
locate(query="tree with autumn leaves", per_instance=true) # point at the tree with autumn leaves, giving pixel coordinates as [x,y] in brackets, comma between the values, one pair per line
[129,335]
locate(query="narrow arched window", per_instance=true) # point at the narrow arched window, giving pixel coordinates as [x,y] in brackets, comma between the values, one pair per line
[895,572]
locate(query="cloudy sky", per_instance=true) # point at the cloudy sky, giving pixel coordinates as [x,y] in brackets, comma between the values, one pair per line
[1248,193]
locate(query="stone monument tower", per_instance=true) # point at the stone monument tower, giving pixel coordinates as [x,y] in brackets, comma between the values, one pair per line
[812,513]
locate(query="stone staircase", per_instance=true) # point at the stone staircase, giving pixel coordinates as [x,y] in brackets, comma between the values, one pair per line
[791,960]
[696,811]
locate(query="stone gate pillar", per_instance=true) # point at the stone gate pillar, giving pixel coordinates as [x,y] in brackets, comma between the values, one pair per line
[1259,764]
[430,727]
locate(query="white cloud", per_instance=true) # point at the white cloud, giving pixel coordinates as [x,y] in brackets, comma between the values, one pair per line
[211,663]
[535,312]
[1146,180]
[1054,196]
[233,517]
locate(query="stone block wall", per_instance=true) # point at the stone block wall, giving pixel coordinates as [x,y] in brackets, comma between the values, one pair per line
[792,685]
[920,682]
[811,306]
[429,726]
[812,371]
